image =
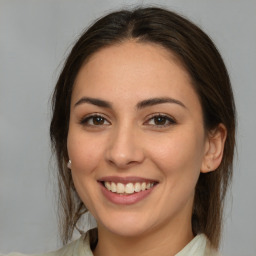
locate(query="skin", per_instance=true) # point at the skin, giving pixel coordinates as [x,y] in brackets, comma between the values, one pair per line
[127,141]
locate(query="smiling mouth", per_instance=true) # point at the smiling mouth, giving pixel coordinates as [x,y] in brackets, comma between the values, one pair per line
[128,188]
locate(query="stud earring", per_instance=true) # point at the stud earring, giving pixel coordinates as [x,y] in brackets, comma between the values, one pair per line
[69,164]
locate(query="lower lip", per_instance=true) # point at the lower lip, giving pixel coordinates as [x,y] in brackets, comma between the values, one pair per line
[125,199]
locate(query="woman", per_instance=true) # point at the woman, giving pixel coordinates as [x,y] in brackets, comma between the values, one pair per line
[143,129]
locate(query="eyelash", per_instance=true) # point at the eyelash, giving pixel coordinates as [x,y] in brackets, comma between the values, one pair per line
[85,120]
[171,121]
[167,118]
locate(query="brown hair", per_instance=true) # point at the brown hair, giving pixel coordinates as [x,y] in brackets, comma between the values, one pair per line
[210,79]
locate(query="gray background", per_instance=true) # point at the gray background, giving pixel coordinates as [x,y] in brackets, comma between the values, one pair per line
[35,36]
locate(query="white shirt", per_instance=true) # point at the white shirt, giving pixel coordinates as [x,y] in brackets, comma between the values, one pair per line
[199,246]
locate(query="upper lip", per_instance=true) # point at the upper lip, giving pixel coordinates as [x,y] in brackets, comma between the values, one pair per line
[125,180]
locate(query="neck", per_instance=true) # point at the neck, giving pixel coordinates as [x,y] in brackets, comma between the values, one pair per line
[165,241]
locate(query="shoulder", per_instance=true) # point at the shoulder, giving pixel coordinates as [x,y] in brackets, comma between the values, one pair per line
[78,247]
[199,246]
[209,251]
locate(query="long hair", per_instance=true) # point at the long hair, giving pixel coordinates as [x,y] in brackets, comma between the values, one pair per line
[210,79]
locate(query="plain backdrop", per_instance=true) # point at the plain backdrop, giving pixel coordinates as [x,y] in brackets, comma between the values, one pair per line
[35,37]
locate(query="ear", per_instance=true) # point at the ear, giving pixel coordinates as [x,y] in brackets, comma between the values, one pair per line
[214,148]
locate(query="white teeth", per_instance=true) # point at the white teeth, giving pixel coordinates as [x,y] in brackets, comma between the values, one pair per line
[120,188]
[137,187]
[108,185]
[113,187]
[129,188]
[143,186]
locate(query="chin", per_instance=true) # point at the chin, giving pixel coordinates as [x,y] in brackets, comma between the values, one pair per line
[127,231]
[126,226]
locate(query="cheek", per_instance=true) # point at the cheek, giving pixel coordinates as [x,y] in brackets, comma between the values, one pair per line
[178,154]
[85,155]
[178,158]
[84,151]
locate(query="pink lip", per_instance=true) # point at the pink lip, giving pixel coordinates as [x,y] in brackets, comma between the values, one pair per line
[125,199]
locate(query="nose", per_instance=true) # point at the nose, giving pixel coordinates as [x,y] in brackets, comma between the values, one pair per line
[124,149]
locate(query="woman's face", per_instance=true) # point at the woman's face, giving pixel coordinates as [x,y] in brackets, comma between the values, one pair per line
[136,139]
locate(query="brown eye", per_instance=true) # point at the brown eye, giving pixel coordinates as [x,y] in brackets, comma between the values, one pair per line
[94,120]
[98,120]
[161,121]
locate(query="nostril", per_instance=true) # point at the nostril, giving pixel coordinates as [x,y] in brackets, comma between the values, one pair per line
[124,151]
[122,163]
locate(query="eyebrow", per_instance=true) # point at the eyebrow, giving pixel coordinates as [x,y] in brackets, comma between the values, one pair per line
[94,101]
[156,101]
[139,105]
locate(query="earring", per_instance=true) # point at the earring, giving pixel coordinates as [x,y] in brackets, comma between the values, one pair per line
[69,164]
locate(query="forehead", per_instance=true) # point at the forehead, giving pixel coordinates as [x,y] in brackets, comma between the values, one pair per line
[132,69]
